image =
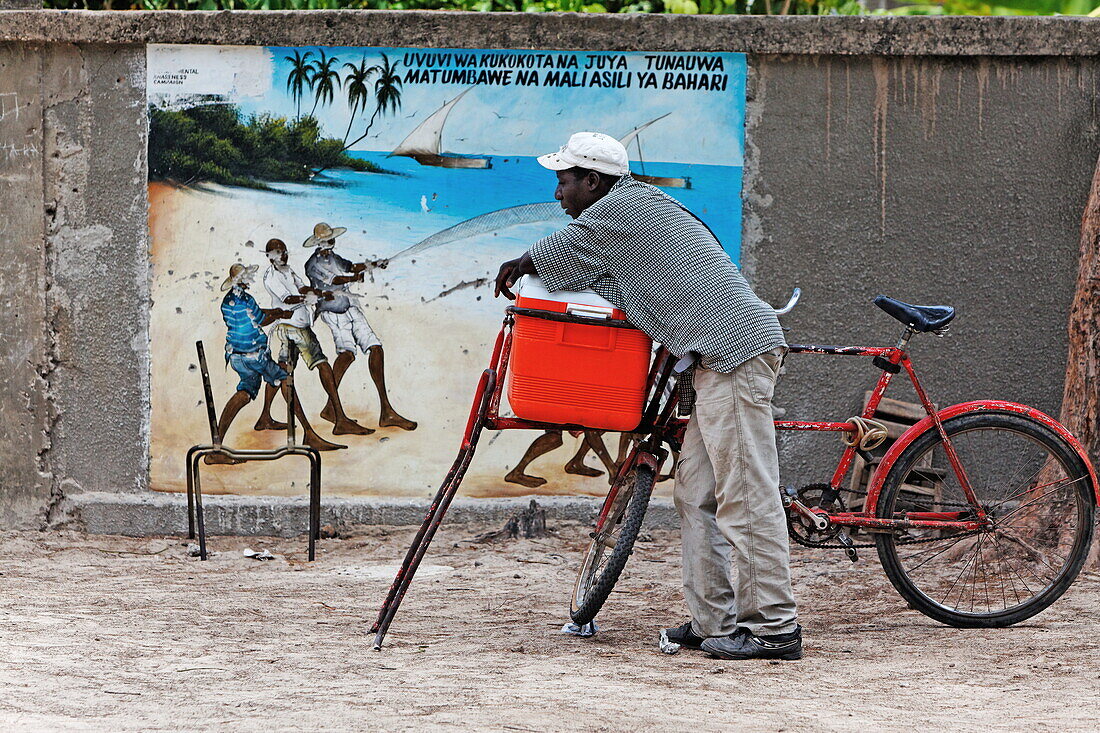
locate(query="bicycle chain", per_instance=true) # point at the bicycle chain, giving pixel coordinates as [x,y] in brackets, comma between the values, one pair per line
[839,546]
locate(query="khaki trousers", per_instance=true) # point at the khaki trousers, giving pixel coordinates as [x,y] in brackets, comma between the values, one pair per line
[727,495]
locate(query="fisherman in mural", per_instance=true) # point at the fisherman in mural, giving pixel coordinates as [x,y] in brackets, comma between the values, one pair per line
[330,273]
[246,350]
[289,293]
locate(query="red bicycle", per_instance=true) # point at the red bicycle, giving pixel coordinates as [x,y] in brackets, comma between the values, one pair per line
[982,513]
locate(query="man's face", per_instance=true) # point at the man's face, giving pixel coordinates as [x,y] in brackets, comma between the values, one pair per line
[576,193]
[277,256]
[327,245]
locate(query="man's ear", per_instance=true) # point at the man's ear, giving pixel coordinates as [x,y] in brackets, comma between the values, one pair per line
[592,180]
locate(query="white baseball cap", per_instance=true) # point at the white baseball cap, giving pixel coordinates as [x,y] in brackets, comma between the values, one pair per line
[592,150]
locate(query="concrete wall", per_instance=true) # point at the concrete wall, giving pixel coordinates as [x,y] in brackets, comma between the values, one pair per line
[935,160]
[932,180]
[26,355]
[76,283]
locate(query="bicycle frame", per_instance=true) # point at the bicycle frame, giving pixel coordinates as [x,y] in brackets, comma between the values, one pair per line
[898,358]
[658,426]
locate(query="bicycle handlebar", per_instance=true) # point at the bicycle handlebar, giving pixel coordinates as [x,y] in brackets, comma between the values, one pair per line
[790,303]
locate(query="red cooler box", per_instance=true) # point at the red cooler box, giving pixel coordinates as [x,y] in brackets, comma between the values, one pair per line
[571,373]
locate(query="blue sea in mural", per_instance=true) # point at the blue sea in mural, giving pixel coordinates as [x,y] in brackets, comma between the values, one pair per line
[397,211]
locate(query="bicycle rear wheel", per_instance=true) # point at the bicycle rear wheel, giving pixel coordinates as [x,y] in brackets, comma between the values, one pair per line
[612,542]
[1038,497]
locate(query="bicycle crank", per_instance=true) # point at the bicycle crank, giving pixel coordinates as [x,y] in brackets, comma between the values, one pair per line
[808,527]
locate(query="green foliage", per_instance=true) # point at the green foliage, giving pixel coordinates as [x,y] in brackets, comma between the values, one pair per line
[706,7]
[211,143]
[1001,7]
[800,7]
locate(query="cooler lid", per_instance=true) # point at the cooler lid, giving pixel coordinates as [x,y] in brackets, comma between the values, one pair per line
[531,286]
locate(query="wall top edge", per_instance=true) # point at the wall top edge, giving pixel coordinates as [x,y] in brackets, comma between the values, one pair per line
[804,35]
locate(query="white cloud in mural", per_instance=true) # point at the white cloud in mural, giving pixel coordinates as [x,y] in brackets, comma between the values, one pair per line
[216,72]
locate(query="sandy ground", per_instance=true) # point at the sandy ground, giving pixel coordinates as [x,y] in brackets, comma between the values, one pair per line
[110,633]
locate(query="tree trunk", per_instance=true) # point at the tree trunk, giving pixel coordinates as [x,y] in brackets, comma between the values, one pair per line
[1081,394]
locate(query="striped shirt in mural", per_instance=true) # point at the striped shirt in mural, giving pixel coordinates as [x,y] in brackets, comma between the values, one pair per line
[243,316]
[658,263]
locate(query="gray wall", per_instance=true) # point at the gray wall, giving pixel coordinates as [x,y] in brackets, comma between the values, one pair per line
[76,282]
[25,357]
[932,180]
[935,160]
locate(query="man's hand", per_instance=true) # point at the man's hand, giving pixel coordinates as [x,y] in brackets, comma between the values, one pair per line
[359,267]
[510,272]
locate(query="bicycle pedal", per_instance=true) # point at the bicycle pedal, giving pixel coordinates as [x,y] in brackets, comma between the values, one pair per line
[849,546]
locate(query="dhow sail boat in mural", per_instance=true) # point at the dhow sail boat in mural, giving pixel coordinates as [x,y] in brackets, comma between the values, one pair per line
[667,181]
[425,143]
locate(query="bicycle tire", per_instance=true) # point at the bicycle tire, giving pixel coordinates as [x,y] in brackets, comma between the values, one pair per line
[1016,509]
[595,581]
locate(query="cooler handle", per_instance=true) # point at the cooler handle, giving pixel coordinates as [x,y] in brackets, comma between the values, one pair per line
[589,311]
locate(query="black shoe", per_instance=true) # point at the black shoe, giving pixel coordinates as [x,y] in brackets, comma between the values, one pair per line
[743,645]
[684,636]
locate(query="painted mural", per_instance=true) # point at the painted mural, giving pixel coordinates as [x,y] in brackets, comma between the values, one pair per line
[352,205]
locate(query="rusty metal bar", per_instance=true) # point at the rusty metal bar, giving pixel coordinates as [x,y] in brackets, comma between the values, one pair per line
[211,414]
[434,516]
[195,514]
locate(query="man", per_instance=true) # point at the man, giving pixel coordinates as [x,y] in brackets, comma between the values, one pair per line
[289,293]
[247,352]
[331,273]
[654,260]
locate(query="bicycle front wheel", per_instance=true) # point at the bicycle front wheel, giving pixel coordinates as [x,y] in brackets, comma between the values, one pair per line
[1038,498]
[612,542]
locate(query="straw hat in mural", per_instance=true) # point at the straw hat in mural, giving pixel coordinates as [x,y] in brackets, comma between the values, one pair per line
[237,273]
[322,233]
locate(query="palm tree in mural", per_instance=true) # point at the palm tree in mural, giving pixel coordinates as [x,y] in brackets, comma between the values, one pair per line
[387,94]
[324,81]
[356,85]
[301,70]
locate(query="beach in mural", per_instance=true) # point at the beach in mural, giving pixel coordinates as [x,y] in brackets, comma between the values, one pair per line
[443,184]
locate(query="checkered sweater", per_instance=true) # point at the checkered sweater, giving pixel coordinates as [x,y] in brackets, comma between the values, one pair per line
[658,263]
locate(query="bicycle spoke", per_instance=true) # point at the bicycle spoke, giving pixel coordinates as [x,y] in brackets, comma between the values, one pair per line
[1002,558]
[1027,481]
[1032,501]
[1000,566]
[1030,489]
[1028,569]
[957,579]
[957,539]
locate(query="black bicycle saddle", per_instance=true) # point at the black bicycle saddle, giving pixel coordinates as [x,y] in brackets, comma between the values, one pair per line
[922,318]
